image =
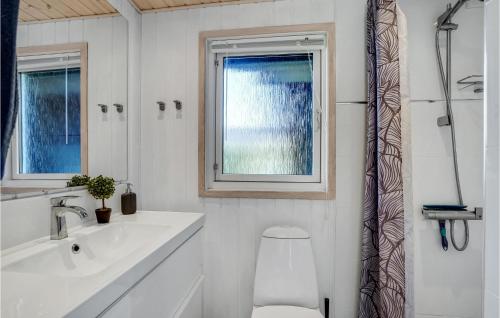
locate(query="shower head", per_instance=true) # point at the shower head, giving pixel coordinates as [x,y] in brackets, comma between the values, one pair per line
[445,18]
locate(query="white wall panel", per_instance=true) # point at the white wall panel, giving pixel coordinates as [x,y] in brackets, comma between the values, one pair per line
[76,30]
[35,34]
[48,32]
[169,160]
[350,17]
[134,20]
[119,95]
[347,227]
[99,92]
[61,32]
[22,35]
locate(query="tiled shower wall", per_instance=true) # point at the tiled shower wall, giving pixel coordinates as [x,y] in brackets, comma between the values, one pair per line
[447,284]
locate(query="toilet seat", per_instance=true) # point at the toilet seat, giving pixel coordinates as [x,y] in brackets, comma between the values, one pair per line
[285,312]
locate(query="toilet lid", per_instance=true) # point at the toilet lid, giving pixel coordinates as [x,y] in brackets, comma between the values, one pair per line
[286,232]
[285,312]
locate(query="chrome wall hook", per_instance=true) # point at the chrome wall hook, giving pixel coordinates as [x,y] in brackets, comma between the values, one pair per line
[161,105]
[119,107]
[178,104]
[104,108]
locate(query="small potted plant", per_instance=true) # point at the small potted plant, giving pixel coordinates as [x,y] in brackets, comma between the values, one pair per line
[78,180]
[102,188]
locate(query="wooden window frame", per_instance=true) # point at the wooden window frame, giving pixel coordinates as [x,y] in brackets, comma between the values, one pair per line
[326,194]
[82,48]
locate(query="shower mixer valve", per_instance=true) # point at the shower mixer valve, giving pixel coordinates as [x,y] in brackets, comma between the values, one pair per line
[443,213]
[431,213]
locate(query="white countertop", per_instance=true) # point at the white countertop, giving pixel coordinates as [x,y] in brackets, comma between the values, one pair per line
[29,294]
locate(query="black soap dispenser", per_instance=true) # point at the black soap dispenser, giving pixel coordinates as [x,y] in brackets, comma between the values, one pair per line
[129,201]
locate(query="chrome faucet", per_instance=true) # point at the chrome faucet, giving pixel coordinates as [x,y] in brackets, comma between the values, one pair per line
[58,230]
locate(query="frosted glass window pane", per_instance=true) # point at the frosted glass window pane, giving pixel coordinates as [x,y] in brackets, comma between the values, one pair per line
[268,114]
[49,133]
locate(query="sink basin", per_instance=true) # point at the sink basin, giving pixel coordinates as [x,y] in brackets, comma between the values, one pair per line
[88,252]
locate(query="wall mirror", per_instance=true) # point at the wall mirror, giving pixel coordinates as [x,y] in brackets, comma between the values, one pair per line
[73,108]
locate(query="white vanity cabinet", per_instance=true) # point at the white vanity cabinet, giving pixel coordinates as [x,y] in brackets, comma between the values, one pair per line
[173,289]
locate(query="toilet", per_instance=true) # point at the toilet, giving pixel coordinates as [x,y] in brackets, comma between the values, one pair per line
[285,278]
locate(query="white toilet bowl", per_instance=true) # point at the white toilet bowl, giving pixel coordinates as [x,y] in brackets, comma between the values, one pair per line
[285,312]
[285,279]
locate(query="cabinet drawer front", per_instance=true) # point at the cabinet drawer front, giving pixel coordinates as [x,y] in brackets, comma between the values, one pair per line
[193,304]
[163,290]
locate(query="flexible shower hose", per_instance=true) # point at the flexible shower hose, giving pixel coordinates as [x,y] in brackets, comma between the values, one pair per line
[449,111]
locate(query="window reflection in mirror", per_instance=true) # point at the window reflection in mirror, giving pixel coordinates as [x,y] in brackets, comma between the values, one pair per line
[50,138]
[49,131]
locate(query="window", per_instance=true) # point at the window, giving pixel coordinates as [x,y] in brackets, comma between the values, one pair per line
[266,112]
[267,129]
[50,139]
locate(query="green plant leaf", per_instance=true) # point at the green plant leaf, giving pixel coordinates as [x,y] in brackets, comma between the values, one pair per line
[78,180]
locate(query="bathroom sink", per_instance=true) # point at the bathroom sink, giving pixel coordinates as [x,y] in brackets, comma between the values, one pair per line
[87,252]
[55,278]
